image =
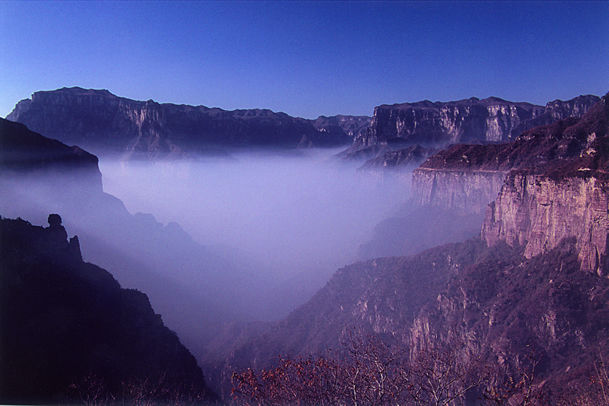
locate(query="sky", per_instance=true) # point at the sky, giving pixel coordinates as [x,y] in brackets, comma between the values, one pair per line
[306,58]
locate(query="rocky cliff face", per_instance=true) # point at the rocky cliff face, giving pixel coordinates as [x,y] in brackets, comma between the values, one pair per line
[537,212]
[398,159]
[464,121]
[98,120]
[472,175]
[352,126]
[463,191]
[543,203]
[69,332]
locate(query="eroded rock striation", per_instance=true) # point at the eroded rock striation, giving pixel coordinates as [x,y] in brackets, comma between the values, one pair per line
[538,212]
[472,175]
[551,199]
[463,191]
[465,121]
[100,121]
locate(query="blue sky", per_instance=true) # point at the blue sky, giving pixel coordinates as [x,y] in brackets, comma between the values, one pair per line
[306,58]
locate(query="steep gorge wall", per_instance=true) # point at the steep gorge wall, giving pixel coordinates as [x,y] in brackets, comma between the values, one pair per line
[101,121]
[490,120]
[538,212]
[467,191]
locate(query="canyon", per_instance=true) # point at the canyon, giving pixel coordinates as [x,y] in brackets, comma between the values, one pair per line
[519,292]
[521,272]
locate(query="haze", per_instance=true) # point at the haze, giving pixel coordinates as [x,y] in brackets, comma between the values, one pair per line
[286,213]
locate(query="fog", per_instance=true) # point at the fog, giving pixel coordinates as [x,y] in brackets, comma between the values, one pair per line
[242,238]
[291,219]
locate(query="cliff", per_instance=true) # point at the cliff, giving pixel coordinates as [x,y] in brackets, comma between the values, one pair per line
[513,313]
[398,159]
[463,191]
[69,332]
[26,152]
[537,212]
[381,296]
[490,120]
[352,126]
[472,175]
[490,306]
[548,200]
[101,121]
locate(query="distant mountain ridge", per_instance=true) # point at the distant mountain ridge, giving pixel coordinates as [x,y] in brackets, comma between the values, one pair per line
[397,127]
[97,120]
[471,120]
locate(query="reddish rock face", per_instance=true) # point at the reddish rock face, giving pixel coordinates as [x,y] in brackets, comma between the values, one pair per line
[557,185]
[537,212]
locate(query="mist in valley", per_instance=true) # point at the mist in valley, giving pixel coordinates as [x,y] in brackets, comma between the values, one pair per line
[287,220]
[215,240]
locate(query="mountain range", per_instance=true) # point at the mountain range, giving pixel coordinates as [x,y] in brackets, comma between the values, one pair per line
[531,284]
[102,122]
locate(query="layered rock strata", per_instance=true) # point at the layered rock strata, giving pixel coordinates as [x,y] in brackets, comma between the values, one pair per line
[537,212]
[100,121]
[489,120]
[468,177]
[465,191]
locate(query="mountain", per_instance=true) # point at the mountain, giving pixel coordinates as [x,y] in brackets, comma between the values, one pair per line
[353,126]
[20,150]
[102,122]
[472,175]
[532,291]
[195,287]
[69,332]
[396,128]
[465,121]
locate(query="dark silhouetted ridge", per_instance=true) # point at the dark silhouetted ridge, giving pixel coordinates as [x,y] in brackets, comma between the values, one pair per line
[66,325]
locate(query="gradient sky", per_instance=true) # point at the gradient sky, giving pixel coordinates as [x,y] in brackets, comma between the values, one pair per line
[306,58]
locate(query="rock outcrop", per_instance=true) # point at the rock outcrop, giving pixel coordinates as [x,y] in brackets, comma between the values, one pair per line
[69,332]
[547,200]
[462,191]
[399,159]
[26,152]
[490,120]
[100,121]
[470,176]
[352,126]
[538,212]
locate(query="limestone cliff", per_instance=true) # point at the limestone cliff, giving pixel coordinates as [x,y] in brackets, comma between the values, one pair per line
[468,177]
[464,191]
[464,121]
[537,212]
[100,121]
[539,205]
